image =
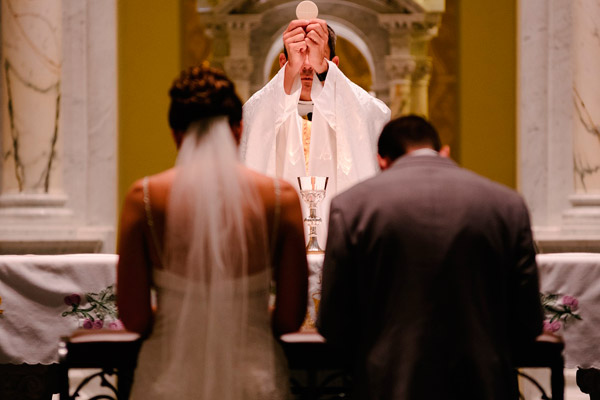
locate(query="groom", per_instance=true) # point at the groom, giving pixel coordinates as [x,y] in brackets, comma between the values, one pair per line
[430,276]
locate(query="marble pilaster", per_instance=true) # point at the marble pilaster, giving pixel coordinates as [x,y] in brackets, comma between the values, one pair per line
[239,64]
[408,65]
[31,77]
[399,70]
[399,64]
[215,28]
[558,122]
[420,86]
[78,211]
[421,38]
[586,87]
[584,215]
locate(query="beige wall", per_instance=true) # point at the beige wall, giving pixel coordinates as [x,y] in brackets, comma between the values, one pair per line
[149,58]
[487,88]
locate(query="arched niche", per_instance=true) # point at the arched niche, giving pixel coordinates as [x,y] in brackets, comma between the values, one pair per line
[393,36]
[351,21]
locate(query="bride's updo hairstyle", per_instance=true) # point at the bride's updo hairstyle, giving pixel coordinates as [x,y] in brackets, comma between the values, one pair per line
[202,92]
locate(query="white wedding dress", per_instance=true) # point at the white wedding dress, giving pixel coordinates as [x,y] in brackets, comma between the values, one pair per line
[262,374]
[211,337]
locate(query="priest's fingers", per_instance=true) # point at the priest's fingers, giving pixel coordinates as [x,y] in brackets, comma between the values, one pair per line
[295,45]
[317,53]
[313,38]
[319,26]
[297,23]
[296,55]
[316,32]
[294,35]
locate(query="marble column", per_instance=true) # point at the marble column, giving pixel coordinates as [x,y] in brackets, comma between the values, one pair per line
[399,63]
[239,64]
[59,127]
[215,28]
[584,216]
[421,38]
[586,96]
[559,121]
[31,78]
[420,86]
[408,65]
[399,70]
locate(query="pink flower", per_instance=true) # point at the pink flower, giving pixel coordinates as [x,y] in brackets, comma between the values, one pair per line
[571,302]
[98,324]
[73,299]
[116,325]
[552,326]
[88,324]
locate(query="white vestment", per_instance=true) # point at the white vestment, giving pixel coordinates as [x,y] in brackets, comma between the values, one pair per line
[346,124]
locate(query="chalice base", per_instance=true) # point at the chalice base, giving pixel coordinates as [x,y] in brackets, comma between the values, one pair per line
[313,246]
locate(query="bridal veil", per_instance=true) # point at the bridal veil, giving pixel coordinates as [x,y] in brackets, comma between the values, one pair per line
[215,244]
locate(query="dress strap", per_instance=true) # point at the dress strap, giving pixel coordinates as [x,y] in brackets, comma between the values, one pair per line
[276,215]
[149,218]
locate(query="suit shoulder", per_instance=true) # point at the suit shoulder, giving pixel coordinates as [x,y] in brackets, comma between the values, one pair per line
[356,194]
[495,190]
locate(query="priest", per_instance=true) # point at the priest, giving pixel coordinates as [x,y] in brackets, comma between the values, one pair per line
[310,119]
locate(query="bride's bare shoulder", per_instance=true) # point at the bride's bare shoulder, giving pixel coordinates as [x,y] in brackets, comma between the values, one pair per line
[158,187]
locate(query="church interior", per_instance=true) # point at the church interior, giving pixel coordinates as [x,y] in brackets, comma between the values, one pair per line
[512,87]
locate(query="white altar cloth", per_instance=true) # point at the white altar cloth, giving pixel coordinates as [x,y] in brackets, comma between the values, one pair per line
[33,291]
[578,275]
[36,292]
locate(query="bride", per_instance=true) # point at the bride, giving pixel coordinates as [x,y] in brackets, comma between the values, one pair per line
[200,247]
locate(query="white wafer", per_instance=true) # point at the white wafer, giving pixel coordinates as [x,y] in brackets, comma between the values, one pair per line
[307,10]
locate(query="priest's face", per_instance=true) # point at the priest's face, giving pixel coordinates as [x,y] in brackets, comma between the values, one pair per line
[306,77]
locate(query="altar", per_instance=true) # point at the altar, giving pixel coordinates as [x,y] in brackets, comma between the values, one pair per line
[44,298]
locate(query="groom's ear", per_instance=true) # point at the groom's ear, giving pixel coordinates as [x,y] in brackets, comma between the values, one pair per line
[384,162]
[445,151]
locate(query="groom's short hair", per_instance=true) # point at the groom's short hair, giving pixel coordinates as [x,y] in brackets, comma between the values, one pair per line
[409,131]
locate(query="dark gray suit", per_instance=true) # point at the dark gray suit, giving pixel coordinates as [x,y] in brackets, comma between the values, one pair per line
[430,279]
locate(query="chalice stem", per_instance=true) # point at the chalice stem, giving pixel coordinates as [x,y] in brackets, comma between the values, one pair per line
[312,189]
[313,243]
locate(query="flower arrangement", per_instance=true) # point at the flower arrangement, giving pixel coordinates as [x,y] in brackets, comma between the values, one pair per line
[99,310]
[558,311]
